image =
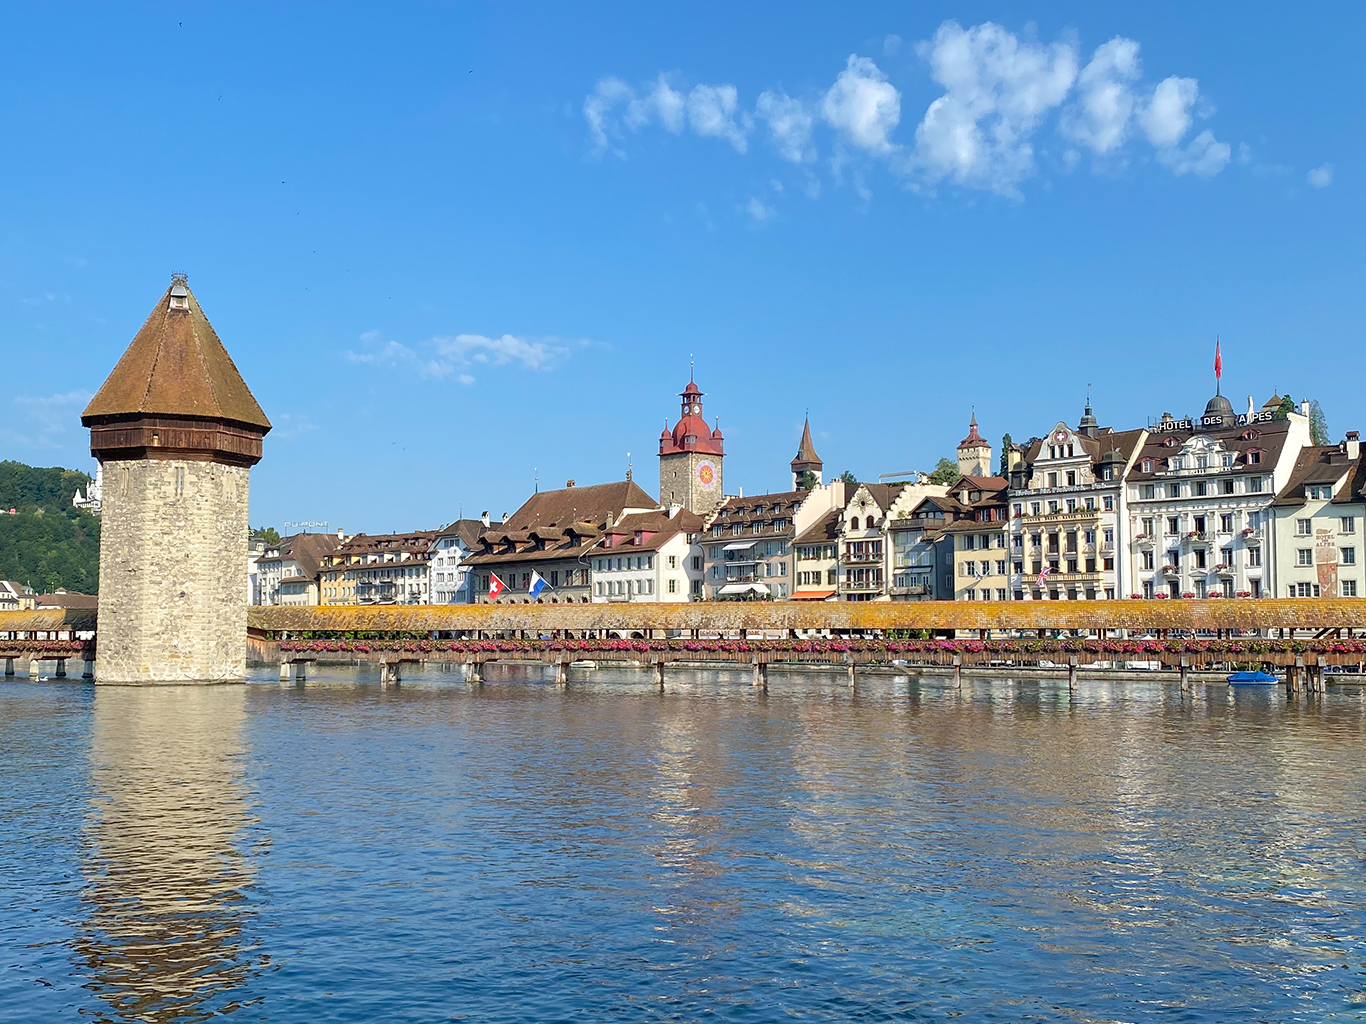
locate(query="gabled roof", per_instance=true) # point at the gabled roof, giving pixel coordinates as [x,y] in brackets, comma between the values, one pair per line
[825,530]
[467,530]
[308,550]
[1319,464]
[596,504]
[176,366]
[657,529]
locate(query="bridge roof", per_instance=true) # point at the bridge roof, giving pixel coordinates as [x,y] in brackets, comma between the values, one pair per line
[176,366]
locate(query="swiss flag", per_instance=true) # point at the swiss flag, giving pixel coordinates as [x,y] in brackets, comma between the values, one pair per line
[496,586]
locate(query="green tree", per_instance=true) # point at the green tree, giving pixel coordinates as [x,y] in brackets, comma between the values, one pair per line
[1318,424]
[806,480]
[1006,445]
[1286,407]
[945,472]
[850,481]
[266,533]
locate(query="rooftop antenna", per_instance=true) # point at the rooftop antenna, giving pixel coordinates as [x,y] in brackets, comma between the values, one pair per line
[537,476]
[690,369]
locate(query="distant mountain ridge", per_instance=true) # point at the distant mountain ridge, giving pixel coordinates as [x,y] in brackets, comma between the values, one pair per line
[48,543]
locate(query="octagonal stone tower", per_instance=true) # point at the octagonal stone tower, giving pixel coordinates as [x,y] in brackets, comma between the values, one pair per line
[177,431]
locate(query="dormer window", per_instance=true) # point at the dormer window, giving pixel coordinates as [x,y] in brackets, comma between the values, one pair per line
[1250,435]
[180,294]
[1147,465]
[1254,457]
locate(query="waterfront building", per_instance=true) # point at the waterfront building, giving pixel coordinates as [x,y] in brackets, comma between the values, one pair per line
[256,547]
[690,458]
[386,568]
[177,431]
[1315,535]
[1198,500]
[288,572]
[806,461]
[922,553]
[1067,504]
[451,581]
[650,556]
[748,541]
[817,558]
[979,535]
[554,535]
[863,542]
[15,597]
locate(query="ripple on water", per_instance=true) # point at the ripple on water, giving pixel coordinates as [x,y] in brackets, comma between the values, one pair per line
[341,852]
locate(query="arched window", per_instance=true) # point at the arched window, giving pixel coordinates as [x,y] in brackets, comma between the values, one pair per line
[871,523]
[853,522]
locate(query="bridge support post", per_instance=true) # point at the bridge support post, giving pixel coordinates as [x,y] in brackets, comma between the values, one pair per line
[286,672]
[958,671]
[390,673]
[760,673]
[9,668]
[849,662]
[1297,675]
[561,673]
[473,675]
[1321,676]
[61,669]
[1072,673]
[1185,673]
[659,674]
[88,668]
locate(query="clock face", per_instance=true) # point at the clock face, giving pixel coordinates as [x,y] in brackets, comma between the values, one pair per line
[696,409]
[706,474]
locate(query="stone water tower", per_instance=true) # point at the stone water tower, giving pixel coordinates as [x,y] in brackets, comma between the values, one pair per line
[177,431]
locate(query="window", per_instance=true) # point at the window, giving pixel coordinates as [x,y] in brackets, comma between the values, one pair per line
[1199,558]
[1000,567]
[1071,504]
[697,563]
[1349,556]
[1071,565]
[1071,478]
[1304,527]
[1349,588]
[1052,479]
[1304,590]
[1254,457]
[1254,557]
[970,594]
[1109,565]
[1147,491]
[1018,508]
[1001,594]
[1108,503]
[1227,462]
[1090,504]
[1304,556]
[1225,486]
[1018,566]
[1147,466]
[1254,485]
[1349,524]
[673,561]
[869,522]
[1174,490]
[1035,508]
[1148,589]
[1173,526]
[1226,523]
[1200,489]
[1147,560]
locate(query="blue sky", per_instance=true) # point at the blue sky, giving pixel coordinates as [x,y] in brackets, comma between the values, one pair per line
[452,247]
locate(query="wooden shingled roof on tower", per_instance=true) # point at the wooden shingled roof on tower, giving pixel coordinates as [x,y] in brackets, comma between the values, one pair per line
[174,386]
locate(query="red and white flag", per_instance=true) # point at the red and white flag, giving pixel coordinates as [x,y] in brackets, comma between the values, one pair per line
[1043,576]
[496,586]
[1218,361]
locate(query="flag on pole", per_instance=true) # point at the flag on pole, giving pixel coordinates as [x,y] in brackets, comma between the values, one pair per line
[1218,361]
[496,586]
[537,585]
[1043,576]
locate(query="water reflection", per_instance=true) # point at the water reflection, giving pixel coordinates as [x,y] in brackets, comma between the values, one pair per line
[166,877]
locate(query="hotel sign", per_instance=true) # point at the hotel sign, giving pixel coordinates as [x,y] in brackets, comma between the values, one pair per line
[1211,422]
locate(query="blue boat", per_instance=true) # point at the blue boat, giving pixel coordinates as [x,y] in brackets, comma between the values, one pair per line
[1257,678]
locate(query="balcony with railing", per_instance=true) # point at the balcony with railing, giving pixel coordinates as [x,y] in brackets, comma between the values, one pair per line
[854,555]
[1062,516]
[861,586]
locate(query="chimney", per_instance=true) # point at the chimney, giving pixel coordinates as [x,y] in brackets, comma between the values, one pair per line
[484,517]
[674,509]
[1304,407]
[1353,445]
[340,536]
[569,483]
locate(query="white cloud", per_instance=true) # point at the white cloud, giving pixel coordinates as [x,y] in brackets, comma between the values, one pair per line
[1320,177]
[45,421]
[1204,156]
[1167,116]
[891,45]
[863,106]
[789,125]
[756,209]
[1099,117]
[997,90]
[711,111]
[445,357]
[465,349]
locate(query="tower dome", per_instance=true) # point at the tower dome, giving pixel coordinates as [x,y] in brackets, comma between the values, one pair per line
[1219,406]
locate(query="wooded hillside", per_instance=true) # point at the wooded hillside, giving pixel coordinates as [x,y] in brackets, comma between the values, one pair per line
[48,544]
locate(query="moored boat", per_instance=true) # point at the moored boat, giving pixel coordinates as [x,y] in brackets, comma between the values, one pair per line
[1254,678]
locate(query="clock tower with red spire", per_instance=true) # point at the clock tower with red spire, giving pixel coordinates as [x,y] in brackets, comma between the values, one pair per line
[690,457]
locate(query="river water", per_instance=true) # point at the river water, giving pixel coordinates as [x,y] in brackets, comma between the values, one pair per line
[516,852]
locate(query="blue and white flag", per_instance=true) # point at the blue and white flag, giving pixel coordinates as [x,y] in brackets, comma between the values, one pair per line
[537,585]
